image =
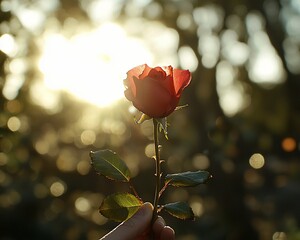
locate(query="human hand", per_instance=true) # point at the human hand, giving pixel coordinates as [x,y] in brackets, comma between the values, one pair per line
[138,227]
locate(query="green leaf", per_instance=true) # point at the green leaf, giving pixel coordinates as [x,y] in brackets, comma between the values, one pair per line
[180,210]
[187,179]
[109,164]
[119,206]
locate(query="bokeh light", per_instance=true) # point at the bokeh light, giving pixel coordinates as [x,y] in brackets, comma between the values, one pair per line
[8,45]
[288,144]
[201,161]
[57,188]
[197,206]
[14,124]
[257,161]
[82,205]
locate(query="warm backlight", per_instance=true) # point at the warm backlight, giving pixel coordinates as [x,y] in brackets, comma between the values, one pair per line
[91,65]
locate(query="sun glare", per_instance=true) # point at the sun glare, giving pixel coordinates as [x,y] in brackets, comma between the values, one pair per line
[91,65]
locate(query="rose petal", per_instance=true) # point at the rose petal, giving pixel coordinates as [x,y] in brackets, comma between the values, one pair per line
[168,70]
[128,94]
[145,72]
[169,85]
[172,106]
[158,74]
[182,79]
[152,99]
[135,72]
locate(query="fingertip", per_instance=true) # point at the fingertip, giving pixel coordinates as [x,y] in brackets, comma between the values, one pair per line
[143,215]
[146,210]
[158,225]
[168,233]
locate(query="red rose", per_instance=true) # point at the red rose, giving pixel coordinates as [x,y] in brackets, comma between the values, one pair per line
[155,91]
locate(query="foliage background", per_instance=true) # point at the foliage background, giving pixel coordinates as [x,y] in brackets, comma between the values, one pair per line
[244,99]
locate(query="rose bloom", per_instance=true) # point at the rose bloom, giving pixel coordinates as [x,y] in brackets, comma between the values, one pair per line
[155,91]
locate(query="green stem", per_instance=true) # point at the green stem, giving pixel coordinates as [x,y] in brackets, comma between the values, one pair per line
[157,170]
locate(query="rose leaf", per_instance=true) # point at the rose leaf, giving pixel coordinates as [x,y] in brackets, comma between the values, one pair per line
[180,210]
[119,206]
[109,164]
[187,179]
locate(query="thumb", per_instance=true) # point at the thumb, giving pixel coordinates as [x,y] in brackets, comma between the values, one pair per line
[133,227]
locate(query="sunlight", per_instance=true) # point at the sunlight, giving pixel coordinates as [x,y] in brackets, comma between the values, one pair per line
[91,65]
